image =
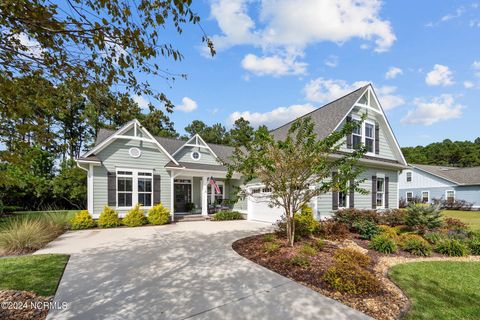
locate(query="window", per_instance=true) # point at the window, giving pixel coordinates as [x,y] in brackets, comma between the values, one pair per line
[370,137]
[450,195]
[134,186]
[357,137]
[409,196]
[380,192]
[409,176]
[256,190]
[425,196]
[267,190]
[342,199]
[215,197]
[196,155]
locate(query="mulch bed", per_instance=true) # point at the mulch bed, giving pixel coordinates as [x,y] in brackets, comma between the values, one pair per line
[23,305]
[388,303]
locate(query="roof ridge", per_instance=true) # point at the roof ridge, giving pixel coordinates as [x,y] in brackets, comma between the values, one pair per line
[325,105]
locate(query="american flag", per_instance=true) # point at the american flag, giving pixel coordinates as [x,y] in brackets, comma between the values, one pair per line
[214,184]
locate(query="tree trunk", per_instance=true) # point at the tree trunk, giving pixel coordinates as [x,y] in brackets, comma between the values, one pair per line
[290,229]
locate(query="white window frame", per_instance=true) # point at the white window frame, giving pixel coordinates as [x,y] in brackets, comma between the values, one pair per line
[134,177]
[406,196]
[199,155]
[347,199]
[363,136]
[446,194]
[382,192]
[407,174]
[428,196]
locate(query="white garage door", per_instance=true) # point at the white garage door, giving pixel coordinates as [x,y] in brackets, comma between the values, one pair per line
[259,210]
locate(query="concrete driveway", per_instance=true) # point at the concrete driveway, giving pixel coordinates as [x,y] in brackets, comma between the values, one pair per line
[179,271]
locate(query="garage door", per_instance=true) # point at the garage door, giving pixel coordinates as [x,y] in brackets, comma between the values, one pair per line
[259,210]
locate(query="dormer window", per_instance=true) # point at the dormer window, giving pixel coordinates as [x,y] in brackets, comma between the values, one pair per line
[364,135]
[369,137]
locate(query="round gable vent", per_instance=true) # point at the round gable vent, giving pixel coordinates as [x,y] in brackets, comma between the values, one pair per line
[134,152]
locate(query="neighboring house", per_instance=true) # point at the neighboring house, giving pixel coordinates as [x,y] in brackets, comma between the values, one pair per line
[427,182]
[130,165]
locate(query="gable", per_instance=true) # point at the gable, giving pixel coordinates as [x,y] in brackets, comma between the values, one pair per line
[185,155]
[422,179]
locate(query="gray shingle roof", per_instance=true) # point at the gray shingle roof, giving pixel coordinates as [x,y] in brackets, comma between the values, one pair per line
[326,118]
[462,176]
[91,157]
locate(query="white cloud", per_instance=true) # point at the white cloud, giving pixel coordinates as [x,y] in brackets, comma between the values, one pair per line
[439,76]
[326,90]
[188,105]
[32,46]
[450,16]
[437,109]
[476,67]
[273,65]
[468,84]
[141,101]
[294,24]
[393,72]
[274,118]
[331,61]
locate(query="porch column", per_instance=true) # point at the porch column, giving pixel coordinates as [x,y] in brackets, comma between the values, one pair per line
[90,189]
[172,208]
[204,196]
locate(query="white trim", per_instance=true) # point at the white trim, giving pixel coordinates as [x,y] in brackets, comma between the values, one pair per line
[406,195]
[134,149]
[118,135]
[97,163]
[197,138]
[406,176]
[382,192]
[199,155]
[135,178]
[454,195]
[189,183]
[428,195]
[90,187]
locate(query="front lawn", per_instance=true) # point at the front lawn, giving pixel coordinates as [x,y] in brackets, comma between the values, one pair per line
[38,273]
[440,290]
[472,218]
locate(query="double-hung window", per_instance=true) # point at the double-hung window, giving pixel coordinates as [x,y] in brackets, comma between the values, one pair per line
[364,134]
[409,196]
[370,137]
[343,199]
[380,192]
[450,196]
[425,196]
[357,137]
[409,176]
[134,186]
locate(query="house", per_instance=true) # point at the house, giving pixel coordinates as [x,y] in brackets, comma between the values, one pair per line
[427,182]
[130,166]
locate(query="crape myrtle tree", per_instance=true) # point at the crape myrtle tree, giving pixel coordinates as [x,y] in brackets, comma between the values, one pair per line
[299,167]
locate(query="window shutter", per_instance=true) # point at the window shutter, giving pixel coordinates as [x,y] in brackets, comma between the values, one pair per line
[351,195]
[112,189]
[334,194]
[374,192]
[377,139]
[386,192]
[156,189]
[349,136]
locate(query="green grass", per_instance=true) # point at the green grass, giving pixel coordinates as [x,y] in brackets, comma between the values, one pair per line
[39,273]
[441,289]
[65,214]
[472,218]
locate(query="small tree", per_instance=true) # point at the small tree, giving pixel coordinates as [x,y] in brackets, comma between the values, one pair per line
[298,168]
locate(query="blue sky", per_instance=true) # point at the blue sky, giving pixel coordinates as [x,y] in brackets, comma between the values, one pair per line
[278,59]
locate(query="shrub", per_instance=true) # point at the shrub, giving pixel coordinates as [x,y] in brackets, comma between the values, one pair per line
[367,229]
[158,214]
[333,230]
[135,217]
[474,245]
[269,237]
[20,236]
[271,246]
[461,235]
[82,220]
[189,206]
[227,215]
[415,245]
[352,216]
[453,205]
[423,217]
[351,256]
[388,231]
[452,247]
[351,278]
[299,261]
[383,244]
[305,223]
[319,244]
[308,250]
[393,217]
[454,224]
[108,218]
[433,237]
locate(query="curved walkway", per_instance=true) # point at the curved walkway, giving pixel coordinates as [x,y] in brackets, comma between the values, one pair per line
[180,271]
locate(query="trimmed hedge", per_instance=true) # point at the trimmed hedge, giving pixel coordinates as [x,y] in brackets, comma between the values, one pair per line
[135,217]
[108,218]
[82,220]
[227,215]
[159,215]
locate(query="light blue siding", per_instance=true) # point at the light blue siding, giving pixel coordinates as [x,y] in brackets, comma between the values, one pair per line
[116,155]
[206,157]
[467,193]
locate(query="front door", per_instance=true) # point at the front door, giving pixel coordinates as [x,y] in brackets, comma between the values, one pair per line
[182,196]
